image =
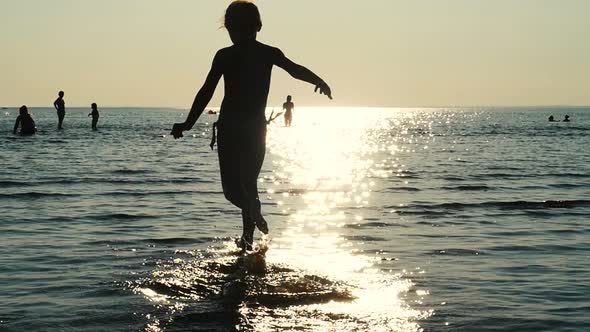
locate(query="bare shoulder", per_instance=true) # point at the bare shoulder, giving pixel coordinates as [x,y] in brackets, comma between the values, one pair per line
[224,52]
[271,50]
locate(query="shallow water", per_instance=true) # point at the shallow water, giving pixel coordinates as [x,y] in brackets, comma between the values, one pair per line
[381,219]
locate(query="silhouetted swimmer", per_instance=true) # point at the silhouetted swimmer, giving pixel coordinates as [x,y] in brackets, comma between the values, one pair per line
[552,119]
[60,106]
[288,106]
[25,121]
[94,114]
[246,69]
[566,119]
[271,118]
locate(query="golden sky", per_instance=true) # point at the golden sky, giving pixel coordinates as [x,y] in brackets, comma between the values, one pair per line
[372,53]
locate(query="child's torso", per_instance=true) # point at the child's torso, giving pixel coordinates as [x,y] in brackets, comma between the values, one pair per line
[246,72]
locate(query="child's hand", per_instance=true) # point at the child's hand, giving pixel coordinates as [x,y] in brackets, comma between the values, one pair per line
[177,130]
[324,89]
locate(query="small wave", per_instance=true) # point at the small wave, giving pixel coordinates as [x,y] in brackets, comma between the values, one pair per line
[508,168]
[8,184]
[130,171]
[292,191]
[34,195]
[156,193]
[452,178]
[496,176]
[467,188]
[178,240]
[122,216]
[394,189]
[569,185]
[117,181]
[547,248]
[423,213]
[364,238]
[507,205]
[373,225]
[569,175]
[456,252]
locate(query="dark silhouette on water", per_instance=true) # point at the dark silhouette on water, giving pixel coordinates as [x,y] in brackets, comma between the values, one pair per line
[60,106]
[552,119]
[25,121]
[567,118]
[288,106]
[271,118]
[94,115]
[246,69]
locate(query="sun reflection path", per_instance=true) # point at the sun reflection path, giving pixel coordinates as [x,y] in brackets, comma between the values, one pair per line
[322,166]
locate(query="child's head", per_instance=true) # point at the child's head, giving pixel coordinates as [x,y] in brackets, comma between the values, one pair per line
[23,110]
[289,98]
[93,106]
[242,20]
[61,94]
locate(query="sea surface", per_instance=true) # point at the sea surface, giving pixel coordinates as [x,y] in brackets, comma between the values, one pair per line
[422,219]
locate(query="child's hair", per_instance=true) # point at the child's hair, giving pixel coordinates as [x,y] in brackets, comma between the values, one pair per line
[61,93]
[242,16]
[23,110]
[93,105]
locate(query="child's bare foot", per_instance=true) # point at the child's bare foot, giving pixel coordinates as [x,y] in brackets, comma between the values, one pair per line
[261,224]
[256,215]
[243,244]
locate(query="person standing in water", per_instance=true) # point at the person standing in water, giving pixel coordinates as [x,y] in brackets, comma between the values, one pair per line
[94,114]
[25,121]
[60,106]
[288,106]
[246,69]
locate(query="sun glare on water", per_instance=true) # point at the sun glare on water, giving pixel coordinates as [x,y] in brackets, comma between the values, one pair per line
[322,172]
[313,273]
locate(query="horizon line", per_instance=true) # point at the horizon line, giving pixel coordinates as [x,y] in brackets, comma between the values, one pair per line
[311,106]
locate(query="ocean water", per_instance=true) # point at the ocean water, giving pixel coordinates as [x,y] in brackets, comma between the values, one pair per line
[439,219]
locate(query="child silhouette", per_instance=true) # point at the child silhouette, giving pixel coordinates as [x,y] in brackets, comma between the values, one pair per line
[25,121]
[94,114]
[241,129]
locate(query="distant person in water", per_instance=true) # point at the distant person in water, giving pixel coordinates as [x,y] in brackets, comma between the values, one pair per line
[60,106]
[566,119]
[288,106]
[25,121]
[94,114]
[552,119]
[246,69]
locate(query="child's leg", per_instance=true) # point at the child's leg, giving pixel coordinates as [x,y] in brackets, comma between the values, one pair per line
[252,159]
[60,119]
[230,160]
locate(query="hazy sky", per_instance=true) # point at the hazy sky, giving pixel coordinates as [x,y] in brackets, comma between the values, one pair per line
[373,52]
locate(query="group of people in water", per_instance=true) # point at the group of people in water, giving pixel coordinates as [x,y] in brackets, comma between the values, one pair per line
[565,119]
[27,125]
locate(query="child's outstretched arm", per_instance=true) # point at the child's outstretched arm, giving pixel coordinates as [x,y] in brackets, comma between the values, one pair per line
[201,99]
[301,73]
